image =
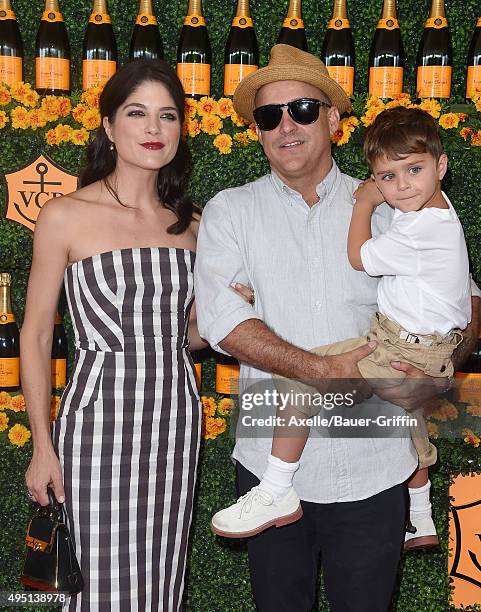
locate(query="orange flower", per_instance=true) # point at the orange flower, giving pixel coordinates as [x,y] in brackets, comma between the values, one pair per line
[208,406]
[3,421]
[375,102]
[31,98]
[214,427]
[449,120]
[223,142]
[207,106]
[371,115]
[79,137]
[91,119]
[50,107]
[3,119]
[225,108]
[193,127]
[474,410]
[4,399]
[211,124]
[62,133]
[19,89]
[17,403]
[190,108]
[19,435]
[431,106]
[466,132]
[226,405]
[78,112]
[19,116]
[251,132]
[402,99]
[471,438]
[38,118]
[238,120]
[5,97]
[476,139]
[242,138]
[64,106]
[51,137]
[91,97]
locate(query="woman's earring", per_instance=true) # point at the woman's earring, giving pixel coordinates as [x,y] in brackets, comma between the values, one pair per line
[112,146]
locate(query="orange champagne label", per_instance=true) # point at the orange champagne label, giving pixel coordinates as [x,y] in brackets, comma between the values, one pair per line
[242,22]
[468,387]
[194,20]
[10,69]
[473,80]
[7,317]
[227,379]
[195,78]
[198,374]
[293,23]
[338,24]
[59,373]
[6,14]
[436,22]
[97,71]
[143,19]
[388,24]
[233,75]
[99,18]
[434,81]
[52,73]
[344,76]
[10,372]
[52,16]
[385,81]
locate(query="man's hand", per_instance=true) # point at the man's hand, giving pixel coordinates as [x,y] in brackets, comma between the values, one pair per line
[416,389]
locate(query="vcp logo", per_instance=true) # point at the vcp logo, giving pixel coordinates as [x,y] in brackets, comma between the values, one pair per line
[31,187]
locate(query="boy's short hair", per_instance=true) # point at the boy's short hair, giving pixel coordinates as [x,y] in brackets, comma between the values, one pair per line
[400,131]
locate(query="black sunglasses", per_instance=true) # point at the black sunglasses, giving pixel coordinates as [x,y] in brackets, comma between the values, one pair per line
[303,111]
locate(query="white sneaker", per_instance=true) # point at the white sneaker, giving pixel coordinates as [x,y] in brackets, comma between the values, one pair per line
[424,533]
[256,511]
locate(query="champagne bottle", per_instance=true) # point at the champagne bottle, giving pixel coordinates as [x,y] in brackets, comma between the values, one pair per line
[473,78]
[52,52]
[194,55]
[241,50]
[338,48]
[197,359]
[292,31]
[146,41]
[468,381]
[435,56]
[59,354]
[9,339]
[99,61]
[226,375]
[386,58]
[11,46]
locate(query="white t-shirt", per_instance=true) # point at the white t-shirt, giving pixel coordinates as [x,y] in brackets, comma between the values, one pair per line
[423,261]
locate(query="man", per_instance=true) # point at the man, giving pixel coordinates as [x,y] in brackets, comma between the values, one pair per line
[285,235]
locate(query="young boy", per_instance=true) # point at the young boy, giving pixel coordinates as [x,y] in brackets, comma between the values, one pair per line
[424,300]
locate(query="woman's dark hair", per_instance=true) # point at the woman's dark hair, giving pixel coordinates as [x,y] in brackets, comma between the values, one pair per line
[102,160]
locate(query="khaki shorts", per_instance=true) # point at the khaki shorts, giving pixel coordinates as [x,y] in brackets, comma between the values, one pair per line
[431,354]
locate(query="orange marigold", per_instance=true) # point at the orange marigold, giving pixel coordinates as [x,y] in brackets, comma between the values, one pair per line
[207,106]
[4,419]
[19,435]
[476,139]
[17,403]
[465,132]
[208,405]
[38,118]
[193,127]
[214,427]
[211,124]
[226,405]
[91,119]
[63,132]
[4,399]
[30,98]
[50,106]
[238,120]
[3,119]
[79,137]
[78,112]
[19,89]
[242,138]
[223,142]
[64,106]
[449,120]
[252,132]
[225,108]
[91,97]
[19,117]
[5,97]
[370,115]
[431,106]
[190,109]
[51,137]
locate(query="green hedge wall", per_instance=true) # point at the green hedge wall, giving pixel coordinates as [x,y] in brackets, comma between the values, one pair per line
[217,579]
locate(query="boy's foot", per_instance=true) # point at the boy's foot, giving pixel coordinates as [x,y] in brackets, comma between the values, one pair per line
[255,511]
[420,532]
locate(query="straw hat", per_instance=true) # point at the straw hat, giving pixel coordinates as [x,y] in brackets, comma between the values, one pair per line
[288,64]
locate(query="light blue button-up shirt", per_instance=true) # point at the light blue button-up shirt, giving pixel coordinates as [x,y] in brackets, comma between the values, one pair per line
[263,234]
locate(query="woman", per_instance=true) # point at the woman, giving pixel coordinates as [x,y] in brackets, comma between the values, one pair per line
[125,443]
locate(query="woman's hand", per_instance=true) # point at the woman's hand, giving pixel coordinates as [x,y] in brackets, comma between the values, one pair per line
[44,470]
[245,292]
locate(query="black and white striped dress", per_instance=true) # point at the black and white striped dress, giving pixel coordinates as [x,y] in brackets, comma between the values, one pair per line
[127,434]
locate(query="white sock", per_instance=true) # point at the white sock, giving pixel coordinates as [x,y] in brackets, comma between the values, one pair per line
[419,499]
[277,479]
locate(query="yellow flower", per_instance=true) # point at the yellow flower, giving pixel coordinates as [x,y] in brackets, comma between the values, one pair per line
[476,139]
[207,106]
[225,108]
[238,120]
[223,142]
[226,405]
[51,137]
[433,430]
[3,119]
[370,115]
[431,106]
[30,98]
[211,124]
[352,122]
[471,438]
[208,406]
[19,435]
[449,120]
[402,99]
[193,127]
[17,403]
[91,119]
[474,410]
[20,119]
[214,427]
[79,137]
[5,97]
[466,132]
[63,132]
[78,112]
[251,132]
[64,106]
[190,108]
[19,89]
[4,399]
[242,138]
[3,421]
[38,118]
[91,97]
[478,104]
[51,107]
[346,127]
[374,102]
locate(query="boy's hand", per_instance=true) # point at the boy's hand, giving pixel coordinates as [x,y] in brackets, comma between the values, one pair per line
[369,192]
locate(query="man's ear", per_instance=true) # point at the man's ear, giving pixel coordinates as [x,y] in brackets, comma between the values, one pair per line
[442,166]
[259,134]
[333,119]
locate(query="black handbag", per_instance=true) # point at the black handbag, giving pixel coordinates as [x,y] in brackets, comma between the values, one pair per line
[50,561]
